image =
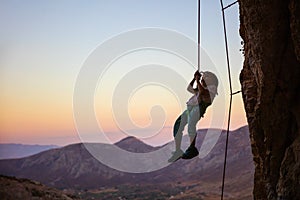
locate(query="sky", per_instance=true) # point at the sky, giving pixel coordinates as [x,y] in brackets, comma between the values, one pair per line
[45,44]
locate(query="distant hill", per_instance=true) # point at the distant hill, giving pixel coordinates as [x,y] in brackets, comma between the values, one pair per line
[12,188]
[22,150]
[74,167]
[132,144]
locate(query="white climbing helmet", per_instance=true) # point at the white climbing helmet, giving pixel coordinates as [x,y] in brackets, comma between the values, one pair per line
[211,81]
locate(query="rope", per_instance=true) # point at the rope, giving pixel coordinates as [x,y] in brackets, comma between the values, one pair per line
[199,30]
[229,80]
[236,92]
[231,93]
[229,5]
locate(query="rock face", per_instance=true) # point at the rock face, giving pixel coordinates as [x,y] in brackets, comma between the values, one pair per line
[270,82]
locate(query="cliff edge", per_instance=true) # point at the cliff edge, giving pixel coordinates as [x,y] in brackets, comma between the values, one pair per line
[270,81]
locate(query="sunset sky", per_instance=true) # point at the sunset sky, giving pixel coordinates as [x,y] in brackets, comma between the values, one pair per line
[44,44]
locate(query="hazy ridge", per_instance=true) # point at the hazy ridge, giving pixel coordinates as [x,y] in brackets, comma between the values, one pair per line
[73,168]
[11,150]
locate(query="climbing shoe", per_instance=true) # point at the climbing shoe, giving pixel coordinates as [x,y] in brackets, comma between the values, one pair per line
[176,155]
[190,153]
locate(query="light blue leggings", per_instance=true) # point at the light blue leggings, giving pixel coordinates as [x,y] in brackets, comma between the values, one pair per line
[190,116]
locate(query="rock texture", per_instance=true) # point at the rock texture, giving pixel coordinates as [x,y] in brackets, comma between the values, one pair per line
[270,82]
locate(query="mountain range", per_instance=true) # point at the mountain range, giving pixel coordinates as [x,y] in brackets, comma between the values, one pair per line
[73,167]
[22,150]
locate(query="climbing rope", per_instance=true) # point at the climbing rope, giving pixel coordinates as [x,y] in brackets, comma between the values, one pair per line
[229,79]
[231,93]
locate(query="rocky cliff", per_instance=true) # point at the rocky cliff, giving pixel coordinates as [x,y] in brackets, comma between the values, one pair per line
[270,82]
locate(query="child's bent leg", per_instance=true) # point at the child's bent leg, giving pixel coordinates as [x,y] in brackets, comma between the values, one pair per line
[192,122]
[193,118]
[177,132]
[178,129]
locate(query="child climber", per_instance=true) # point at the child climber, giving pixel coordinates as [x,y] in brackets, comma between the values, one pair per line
[203,97]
